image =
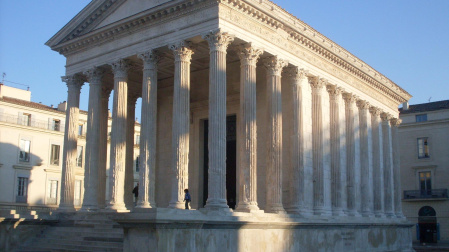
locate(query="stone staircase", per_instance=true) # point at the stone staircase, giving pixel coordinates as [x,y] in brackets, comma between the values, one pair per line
[79,232]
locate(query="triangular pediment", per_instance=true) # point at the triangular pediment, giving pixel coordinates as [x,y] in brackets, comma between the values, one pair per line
[101,13]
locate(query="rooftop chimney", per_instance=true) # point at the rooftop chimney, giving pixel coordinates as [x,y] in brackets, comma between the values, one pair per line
[405,106]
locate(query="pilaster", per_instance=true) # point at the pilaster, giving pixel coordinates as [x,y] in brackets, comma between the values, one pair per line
[118,137]
[337,181]
[148,131]
[388,165]
[181,121]
[378,179]
[218,44]
[274,67]
[321,149]
[90,201]
[247,130]
[366,159]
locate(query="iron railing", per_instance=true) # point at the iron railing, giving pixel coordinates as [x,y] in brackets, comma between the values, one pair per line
[41,124]
[426,194]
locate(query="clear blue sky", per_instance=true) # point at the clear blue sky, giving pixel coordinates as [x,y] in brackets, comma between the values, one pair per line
[406,40]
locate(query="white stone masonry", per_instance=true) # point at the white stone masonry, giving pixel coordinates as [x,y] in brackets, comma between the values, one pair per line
[396,168]
[378,167]
[388,165]
[103,146]
[129,163]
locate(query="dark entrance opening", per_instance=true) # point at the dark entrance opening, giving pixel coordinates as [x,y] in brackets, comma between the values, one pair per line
[427,222]
[231,161]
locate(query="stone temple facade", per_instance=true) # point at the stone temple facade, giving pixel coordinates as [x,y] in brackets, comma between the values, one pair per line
[286,141]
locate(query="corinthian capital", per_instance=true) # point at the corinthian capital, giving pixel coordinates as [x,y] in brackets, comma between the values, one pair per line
[395,122]
[150,59]
[275,65]
[385,117]
[333,91]
[375,111]
[317,83]
[120,68]
[74,81]
[361,104]
[182,51]
[349,98]
[249,54]
[218,40]
[94,75]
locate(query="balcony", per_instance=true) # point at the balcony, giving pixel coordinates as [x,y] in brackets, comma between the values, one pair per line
[31,122]
[434,194]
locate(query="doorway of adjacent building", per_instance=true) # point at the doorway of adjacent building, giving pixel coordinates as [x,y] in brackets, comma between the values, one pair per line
[231,161]
[427,223]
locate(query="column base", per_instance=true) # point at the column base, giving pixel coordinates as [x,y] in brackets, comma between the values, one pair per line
[367,214]
[216,204]
[390,215]
[299,211]
[338,212]
[321,211]
[276,208]
[248,208]
[142,204]
[117,208]
[379,214]
[89,209]
[66,208]
[354,213]
[177,205]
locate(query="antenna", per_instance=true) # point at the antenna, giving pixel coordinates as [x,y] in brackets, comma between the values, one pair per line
[430,98]
[3,77]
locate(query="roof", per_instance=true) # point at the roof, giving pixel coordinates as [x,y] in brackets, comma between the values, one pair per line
[424,107]
[33,105]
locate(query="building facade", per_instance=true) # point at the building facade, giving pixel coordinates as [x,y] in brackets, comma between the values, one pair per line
[424,134]
[31,147]
[249,108]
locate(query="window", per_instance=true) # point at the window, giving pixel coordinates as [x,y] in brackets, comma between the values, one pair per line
[24,155]
[77,193]
[421,118]
[80,130]
[137,163]
[54,159]
[22,189]
[56,125]
[423,148]
[425,183]
[52,192]
[137,139]
[26,119]
[79,156]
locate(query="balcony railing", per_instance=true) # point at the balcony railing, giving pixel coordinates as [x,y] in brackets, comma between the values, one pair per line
[426,194]
[41,124]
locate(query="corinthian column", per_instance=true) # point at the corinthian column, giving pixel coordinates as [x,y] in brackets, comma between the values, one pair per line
[396,168]
[103,146]
[118,137]
[352,160]
[274,67]
[321,149]
[218,44]
[338,182]
[247,167]
[302,166]
[378,180]
[129,171]
[366,158]
[74,83]
[90,201]
[181,122]
[388,164]
[148,133]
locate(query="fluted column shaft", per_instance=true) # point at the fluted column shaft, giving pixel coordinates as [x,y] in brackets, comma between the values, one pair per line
[69,153]
[352,162]
[148,131]
[321,149]
[302,166]
[274,67]
[366,159]
[90,201]
[129,171]
[396,168]
[388,164]
[337,181]
[247,143]
[118,137]
[103,147]
[378,180]
[181,123]
[218,44]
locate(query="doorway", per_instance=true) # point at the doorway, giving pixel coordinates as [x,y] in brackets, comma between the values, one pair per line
[231,161]
[427,223]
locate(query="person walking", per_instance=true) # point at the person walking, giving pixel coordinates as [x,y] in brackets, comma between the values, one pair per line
[187,198]
[136,193]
